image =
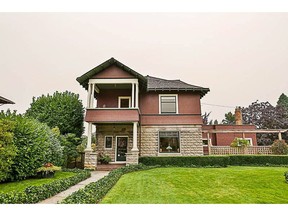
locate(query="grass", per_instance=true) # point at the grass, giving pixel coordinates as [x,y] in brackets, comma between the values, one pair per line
[236,185]
[21,185]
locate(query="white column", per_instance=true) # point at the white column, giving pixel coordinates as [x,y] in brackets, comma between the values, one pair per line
[137,96]
[134,148]
[133,95]
[89,135]
[92,95]
[88,96]
[279,136]
[209,143]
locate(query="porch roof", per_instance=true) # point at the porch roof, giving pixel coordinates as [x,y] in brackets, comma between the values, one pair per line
[5,101]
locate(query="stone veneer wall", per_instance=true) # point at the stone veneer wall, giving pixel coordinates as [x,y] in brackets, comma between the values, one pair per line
[190,140]
[113,130]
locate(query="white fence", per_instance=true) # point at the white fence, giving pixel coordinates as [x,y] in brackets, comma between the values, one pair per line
[250,150]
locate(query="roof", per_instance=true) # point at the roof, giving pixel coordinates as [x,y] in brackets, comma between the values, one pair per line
[84,79]
[159,84]
[5,101]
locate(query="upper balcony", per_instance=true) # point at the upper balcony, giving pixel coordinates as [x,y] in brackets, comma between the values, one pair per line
[112,100]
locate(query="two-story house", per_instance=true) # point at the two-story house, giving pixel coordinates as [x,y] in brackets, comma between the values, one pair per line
[140,115]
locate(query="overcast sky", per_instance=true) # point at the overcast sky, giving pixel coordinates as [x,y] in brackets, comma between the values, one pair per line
[241,57]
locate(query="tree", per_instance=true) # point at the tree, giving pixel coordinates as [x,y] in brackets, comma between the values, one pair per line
[229,118]
[283,101]
[265,116]
[70,142]
[63,110]
[205,117]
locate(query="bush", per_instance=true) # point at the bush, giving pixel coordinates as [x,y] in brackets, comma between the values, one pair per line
[286,176]
[189,161]
[239,142]
[279,147]
[95,191]
[7,148]
[103,158]
[258,160]
[35,145]
[34,194]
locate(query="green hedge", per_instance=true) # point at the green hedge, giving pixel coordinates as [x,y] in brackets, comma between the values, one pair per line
[95,191]
[192,161]
[34,194]
[258,160]
[217,161]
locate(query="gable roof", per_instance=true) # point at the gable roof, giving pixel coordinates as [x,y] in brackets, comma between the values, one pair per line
[84,79]
[5,101]
[159,84]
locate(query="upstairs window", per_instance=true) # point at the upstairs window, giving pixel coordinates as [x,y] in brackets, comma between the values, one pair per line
[168,104]
[124,102]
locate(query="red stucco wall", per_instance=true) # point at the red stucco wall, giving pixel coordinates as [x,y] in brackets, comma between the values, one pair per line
[112,72]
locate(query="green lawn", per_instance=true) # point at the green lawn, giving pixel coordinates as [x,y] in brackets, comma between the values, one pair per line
[21,185]
[201,185]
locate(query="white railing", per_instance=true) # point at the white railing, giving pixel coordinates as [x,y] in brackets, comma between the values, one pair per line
[250,150]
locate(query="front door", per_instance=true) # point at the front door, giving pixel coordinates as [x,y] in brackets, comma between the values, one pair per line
[121,149]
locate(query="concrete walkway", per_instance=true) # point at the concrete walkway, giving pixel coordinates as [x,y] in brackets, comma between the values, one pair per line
[95,176]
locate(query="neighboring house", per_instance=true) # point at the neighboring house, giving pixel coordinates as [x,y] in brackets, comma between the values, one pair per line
[5,101]
[141,115]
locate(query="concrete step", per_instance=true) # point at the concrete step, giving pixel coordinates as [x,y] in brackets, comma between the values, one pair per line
[108,167]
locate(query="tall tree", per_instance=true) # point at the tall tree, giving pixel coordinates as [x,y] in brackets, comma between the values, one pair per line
[205,118]
[283,101]
[62,109]
[229,118]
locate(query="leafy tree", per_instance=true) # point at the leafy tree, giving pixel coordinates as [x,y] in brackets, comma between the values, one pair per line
[7,147]
[205,118]
[283,101]
[265,116]
[63,110]
[70,142]
[229,118]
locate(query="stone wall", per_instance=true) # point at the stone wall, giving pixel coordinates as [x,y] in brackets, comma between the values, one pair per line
[190,140]
[113,130]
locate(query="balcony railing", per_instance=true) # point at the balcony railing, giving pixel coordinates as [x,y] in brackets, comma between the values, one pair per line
[110,115]
[250,150]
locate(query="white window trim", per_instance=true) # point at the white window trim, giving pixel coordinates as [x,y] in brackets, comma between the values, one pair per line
[105,143]
[206,139]
[176,95]
[124,97]
[173,153]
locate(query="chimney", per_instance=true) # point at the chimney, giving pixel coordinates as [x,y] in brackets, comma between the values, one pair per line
[238,116]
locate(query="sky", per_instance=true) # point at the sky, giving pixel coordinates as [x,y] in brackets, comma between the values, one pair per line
[241,57]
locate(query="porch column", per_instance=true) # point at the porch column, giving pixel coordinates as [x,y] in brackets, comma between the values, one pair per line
[209,144]
[134,148]
[137,95]
[279,136]
[133,96]
[92,95]
[89,140]
[88,96]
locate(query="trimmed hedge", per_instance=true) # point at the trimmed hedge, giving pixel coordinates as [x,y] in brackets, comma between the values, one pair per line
[34,194]
[217,161]
[286,176]
[191,161]
[258,160]
[95,191]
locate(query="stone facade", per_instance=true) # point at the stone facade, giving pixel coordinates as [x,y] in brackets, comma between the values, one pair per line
[90,160]
[113,130]
[190,140]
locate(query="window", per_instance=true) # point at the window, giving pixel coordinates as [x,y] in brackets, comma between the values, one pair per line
[168,104]
[124,102]
[205,141]
[169,142]
[108,142]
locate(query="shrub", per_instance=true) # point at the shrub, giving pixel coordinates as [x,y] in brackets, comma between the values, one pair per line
[103,158]
[34,194]
[7,148]
[95,191]
[258,160]
[189,161]
[47,170]
[286,176]
[279,147]
[35,144]
[238,142]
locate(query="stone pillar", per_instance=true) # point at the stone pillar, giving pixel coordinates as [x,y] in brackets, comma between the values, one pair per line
[90,160]
[132,158]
